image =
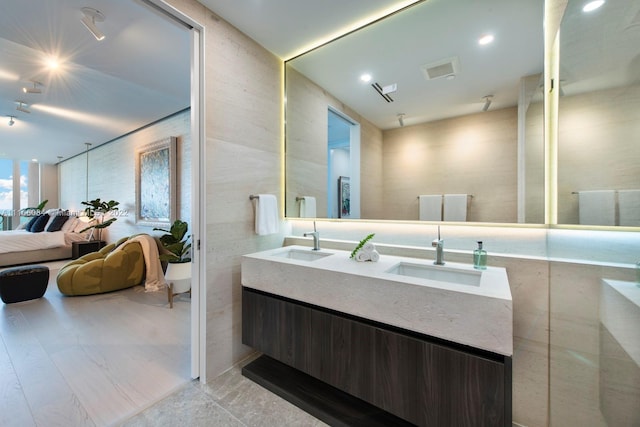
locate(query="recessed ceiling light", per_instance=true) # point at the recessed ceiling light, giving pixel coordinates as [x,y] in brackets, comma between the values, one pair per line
[485,39]
[365,78]
[592,5]
[52,63]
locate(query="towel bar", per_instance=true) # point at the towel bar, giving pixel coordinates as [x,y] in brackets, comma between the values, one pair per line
[578,192]
[252,197]
[299,198]
[470,195]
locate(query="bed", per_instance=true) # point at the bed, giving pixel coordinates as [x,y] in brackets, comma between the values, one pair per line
[27,247]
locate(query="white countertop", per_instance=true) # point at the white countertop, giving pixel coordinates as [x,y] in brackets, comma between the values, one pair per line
[479,316]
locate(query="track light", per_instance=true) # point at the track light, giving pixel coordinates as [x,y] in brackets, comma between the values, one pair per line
[91,16]
[487,102]
[34,89]
[11,121]
[22,106]
[401,119]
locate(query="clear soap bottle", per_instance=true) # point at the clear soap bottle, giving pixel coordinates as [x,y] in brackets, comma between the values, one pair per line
[480,258]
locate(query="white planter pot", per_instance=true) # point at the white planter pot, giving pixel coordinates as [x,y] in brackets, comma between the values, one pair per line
[179,274]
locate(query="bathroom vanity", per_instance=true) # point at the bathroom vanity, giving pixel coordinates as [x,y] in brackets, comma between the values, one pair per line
[413,342]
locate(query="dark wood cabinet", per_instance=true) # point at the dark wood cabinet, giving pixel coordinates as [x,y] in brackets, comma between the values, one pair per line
[82,248]
[417,378]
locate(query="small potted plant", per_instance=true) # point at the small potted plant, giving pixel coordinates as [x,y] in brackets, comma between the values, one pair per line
[96,210]
[177,255]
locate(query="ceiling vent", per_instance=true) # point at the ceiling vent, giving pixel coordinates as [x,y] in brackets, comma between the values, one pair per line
[444,68]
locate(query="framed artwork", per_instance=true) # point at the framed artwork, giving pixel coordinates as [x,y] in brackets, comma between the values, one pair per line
[156,183]
[344,197]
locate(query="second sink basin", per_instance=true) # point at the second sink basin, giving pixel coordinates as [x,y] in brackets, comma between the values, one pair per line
[302,254]
[440,273]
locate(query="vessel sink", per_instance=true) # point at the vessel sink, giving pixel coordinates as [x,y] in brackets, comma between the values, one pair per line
[302,254]
[440,273]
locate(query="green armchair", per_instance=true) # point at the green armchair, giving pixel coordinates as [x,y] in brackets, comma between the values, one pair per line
[103,271]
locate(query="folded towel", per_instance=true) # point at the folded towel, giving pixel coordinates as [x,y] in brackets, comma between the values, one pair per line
[629,206]
[308,207]
[597,207]
[430,207]
[368,247]
[455,207]
[362,256]
[267,218]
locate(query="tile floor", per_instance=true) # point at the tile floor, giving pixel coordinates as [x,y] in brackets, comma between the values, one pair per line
[231,400]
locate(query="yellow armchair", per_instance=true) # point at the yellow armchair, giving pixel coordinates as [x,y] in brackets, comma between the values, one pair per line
[103,271]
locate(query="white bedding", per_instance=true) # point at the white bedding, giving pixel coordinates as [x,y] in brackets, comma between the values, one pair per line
[22,240]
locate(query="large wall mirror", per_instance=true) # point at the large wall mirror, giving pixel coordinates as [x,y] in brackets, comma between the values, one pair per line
[441,115]
[599,115]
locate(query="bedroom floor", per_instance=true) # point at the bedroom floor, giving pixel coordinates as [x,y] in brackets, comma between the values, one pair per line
[94,360]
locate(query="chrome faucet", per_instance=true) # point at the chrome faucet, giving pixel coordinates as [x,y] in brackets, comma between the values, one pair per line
[316,237]
[439,245]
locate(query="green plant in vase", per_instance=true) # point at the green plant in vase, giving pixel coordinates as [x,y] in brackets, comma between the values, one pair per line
[95,211]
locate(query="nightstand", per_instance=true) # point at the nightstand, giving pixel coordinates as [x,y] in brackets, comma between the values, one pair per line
[82,248]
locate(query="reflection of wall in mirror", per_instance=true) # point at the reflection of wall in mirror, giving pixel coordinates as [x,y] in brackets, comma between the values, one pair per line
[306,149]
[597,145]
[474,154]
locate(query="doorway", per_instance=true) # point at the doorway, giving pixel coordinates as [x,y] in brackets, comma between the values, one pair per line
[198,270]
[343,165]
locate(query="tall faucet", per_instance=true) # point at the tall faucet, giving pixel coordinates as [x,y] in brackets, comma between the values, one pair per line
[439,245]
[316,237]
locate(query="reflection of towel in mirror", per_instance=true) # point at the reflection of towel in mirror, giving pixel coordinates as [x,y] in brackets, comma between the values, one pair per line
[267,221]
[307,207]
[597,207]
[430,207]
[154,277]
[455,207]
[629,205]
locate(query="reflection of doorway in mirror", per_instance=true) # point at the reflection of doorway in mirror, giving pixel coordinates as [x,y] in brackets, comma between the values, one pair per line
[344,197]
[343,143]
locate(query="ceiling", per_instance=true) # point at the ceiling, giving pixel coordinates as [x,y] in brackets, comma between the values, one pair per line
[102,89]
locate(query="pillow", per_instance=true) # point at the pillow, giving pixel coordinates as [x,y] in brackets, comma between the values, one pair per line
[53,213]
[31,222]
[39,224]
[81,225]
[68,226]
[57,223]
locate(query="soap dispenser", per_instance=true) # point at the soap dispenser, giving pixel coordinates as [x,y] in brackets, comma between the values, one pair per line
[480,258]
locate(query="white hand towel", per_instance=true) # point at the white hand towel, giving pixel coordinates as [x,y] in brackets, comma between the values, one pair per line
[455,207]
[362,256]
[308,207]
[597,207]
[374,256]
[629,206]
[430,207]
[267,219]
[368,247]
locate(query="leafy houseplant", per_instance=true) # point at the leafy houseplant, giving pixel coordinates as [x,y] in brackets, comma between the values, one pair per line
[176,243]
[96,210]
